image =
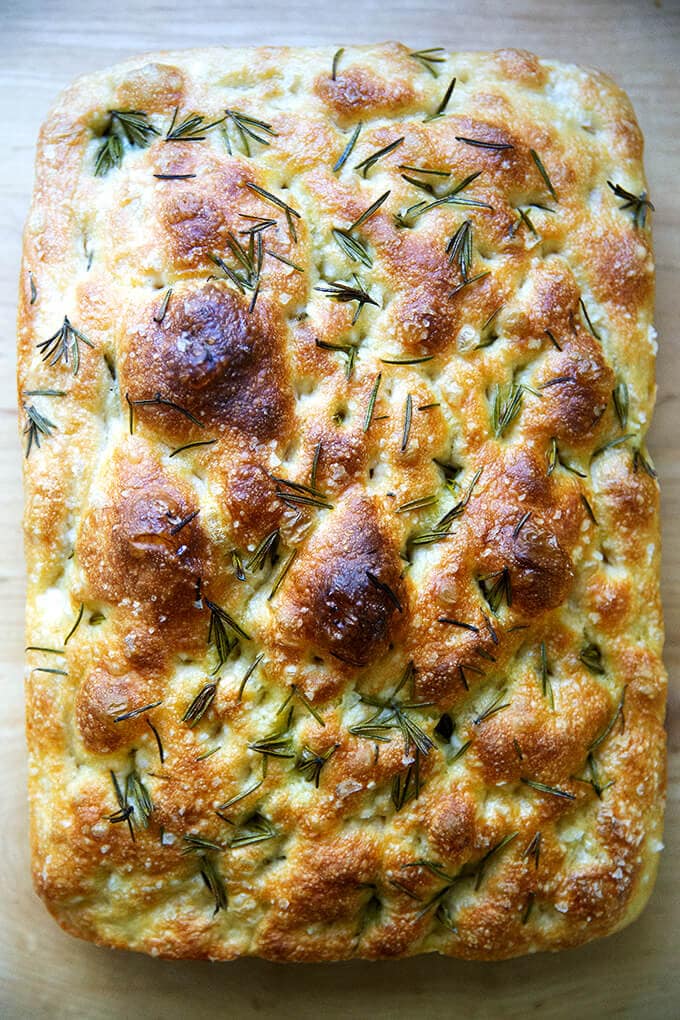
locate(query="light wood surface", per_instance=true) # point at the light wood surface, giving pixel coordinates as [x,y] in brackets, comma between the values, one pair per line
[43,972]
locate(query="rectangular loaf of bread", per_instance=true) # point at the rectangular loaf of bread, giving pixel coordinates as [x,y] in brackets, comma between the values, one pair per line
[343,622]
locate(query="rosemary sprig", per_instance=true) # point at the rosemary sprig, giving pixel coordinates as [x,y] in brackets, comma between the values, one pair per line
[588,320]
[352,247]
[461,750]
[441,529]
[544,173]
[295,692]
[310,763]
[588,509]
[490,854]
[621,403]
[265,549]
[416,504]
[370,211]
[76,624]
[466,283]
[37,425]
[275,745]
[315,464]
[641,460]
[347,151]
[395,714]
[34,289]
[218,632]
[368,417]
[459,248]
[302,499]
[174,177]
[544,788]
[125,810]
[546,686]
[44,393]
[478,143]
[64,344]
[177,525]
[157,738]
[443,103]
[451,197]
[290,213]
[197,708]
[507,403]
[244,793]
[247,128]
[639,204]
[430,58]
[190,446]
[195,843]
[138,797]
[495,588]
[131,126]
[246,275]
[411,361]
[192,129]
[384,587]
[133,713]
[249,672]
[256,829]
[159,401]
[345,292]
[493,708]
[282,574]
[591,657]
[618,713]
[520,523]
[284,260]
[406,785]
[336,60]
[370,161]
[214,883]
[595,781]
[349,350]
[426,171]
[408,416]
[476,870]
[533,849]
[160,315]
[458,623]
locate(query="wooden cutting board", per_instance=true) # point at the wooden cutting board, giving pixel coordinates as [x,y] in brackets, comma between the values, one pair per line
[43,972]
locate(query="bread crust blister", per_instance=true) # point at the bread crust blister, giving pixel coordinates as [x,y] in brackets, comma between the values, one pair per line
[342,536]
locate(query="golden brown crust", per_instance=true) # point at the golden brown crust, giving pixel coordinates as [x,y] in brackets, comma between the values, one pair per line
[361,595]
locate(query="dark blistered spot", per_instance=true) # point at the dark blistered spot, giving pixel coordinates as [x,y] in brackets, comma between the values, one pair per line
[101,699]
[525,478]
[218,361]
[127,547]
[334,604]
[195,226]
[154,88]
[621,268]
[541,572]
[549,301]
[361,91]
[521,66]
[576,387]
[252,500]
[451,824]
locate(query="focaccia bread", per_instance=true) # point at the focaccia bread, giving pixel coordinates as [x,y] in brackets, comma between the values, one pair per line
[335,370]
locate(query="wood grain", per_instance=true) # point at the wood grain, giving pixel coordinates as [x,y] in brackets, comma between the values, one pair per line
[46,973]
